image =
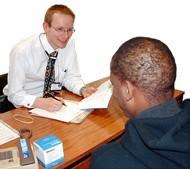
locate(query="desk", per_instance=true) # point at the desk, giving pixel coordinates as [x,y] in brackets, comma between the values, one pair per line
[79,140]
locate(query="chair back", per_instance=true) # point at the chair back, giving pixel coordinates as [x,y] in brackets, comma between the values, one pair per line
[3,82]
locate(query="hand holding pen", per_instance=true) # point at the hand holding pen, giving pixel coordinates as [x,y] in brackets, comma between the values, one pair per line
[51,103]
[58,99]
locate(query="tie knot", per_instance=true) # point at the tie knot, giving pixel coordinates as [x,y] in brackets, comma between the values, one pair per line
[52,55]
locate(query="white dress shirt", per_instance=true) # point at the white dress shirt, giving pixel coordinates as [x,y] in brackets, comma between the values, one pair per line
[27,67]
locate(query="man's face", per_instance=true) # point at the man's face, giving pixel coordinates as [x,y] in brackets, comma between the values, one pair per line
[60,30]
[122,95]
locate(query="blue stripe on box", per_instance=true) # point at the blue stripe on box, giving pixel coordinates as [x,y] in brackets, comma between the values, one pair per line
[48,142]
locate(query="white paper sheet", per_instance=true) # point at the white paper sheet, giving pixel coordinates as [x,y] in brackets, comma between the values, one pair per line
[66,114]
[7,133]
[99,99]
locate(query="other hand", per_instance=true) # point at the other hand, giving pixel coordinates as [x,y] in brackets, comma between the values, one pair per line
[87,91]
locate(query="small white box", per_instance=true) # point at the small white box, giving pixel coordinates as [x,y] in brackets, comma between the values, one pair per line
[49,151]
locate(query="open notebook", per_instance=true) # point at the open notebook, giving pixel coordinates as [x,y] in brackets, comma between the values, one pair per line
[76,112]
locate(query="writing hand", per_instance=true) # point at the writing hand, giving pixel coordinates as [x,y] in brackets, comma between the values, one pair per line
[49,104]
[59,99]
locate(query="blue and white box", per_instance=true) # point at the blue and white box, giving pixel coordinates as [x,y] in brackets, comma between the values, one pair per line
[49,151]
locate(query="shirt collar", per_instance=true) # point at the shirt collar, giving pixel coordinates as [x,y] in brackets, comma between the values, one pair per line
[46,44]
[167,109]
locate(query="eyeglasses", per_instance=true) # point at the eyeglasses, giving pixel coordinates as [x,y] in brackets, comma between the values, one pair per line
[64,30]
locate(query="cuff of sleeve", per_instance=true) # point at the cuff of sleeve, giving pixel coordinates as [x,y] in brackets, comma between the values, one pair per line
[82,88]
[77,89]
[29,101]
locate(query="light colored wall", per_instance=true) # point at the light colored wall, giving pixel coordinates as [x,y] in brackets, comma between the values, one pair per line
[101,27]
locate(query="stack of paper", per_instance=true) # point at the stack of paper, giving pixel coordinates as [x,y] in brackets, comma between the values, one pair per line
[76,111]
[7,133]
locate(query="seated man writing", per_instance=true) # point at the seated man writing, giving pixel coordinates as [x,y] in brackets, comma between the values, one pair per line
[42,64]
[157,136]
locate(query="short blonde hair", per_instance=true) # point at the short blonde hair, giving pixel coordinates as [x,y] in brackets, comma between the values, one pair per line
[57,9]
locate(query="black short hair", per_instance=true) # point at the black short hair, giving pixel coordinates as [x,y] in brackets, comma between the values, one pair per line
[148,64]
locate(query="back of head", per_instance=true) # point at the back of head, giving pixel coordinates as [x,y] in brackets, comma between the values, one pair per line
[57,9]
[149,65]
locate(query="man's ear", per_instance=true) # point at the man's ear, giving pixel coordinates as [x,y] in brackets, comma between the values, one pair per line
[45,26]
[127,89]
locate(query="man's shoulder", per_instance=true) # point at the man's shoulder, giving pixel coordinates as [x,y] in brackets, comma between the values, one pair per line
[104,156]
[113,155]
[24,44]
[186,104]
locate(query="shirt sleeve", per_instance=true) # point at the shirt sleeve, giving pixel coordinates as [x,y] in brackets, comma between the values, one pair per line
[16,80]
[72,79]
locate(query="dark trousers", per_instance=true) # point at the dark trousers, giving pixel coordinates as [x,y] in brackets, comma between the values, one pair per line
[5,105]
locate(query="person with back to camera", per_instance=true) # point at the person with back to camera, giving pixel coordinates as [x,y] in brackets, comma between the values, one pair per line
[157,136]
[42,64]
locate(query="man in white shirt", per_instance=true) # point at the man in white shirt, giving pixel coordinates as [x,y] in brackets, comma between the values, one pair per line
[28,62]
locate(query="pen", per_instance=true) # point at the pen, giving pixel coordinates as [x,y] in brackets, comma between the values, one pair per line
[57,99]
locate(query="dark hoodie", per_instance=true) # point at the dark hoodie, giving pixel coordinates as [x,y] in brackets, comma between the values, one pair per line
[158,138]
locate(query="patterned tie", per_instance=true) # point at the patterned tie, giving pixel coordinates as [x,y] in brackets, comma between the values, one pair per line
[50,74]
